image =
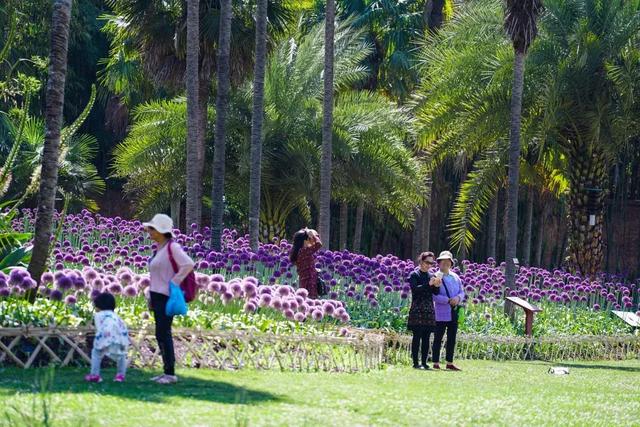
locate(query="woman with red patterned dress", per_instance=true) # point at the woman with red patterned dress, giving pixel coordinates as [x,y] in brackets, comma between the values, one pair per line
[306,243]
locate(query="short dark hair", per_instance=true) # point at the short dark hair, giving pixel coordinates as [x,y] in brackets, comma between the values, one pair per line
[168,236]
[424,255]
[105,301]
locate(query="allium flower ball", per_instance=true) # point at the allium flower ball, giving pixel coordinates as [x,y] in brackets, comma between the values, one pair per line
[249,288]
[226,297]
[299,317]
[276,304]
[56,295]
[250,307]
[64,283]
[317,315]
[47,277]
[265,300]
[288,313]
[130,291]
[302,292]
[5,292]
[70,300]
[343,332]
[328,308]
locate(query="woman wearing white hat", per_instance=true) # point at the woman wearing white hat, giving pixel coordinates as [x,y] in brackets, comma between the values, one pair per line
[447,299]
[168,264]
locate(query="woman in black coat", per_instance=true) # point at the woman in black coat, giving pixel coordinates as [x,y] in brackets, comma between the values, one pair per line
[422,317]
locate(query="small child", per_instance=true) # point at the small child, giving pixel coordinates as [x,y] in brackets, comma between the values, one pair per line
[112,338]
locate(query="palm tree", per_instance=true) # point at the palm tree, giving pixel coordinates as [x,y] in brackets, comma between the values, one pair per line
[194,175]
[327,125]
[60,19]
[521,26]
[257,118]
[222,99]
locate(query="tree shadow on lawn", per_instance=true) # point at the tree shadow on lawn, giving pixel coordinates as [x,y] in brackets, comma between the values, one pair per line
[137,386]
[608,367]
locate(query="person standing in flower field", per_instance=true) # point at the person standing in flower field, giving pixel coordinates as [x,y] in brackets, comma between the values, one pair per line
[306,243]
[422,318]
[162,273]
[448,297]
[111,340]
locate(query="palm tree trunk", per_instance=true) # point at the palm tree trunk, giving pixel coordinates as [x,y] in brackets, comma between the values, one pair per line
[327,125]
[492,234]
[432,14]
[585,244]
[417,233]
[357,234]
[426,219]
[528,228]
[511,238]
[203,120]
[222,101]
[540,234]
[175,210]
[256,124]
[60,19]
[193,115]
[344,222]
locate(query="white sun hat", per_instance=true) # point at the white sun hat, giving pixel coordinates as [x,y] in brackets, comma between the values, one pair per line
[445,255]
[161,223]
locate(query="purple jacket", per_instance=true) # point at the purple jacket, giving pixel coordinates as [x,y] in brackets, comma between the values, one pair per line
[441,300]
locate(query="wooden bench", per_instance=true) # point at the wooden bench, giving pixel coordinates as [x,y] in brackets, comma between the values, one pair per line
[529,311]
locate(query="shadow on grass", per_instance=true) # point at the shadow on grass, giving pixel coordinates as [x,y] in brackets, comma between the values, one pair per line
[606,367]
[138,386]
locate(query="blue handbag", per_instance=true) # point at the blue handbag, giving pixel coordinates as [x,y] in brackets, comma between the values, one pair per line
[176,305]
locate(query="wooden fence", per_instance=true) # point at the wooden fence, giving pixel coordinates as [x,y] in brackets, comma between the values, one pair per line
[27,347]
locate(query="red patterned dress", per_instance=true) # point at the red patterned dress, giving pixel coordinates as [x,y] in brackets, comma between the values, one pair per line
[306,266]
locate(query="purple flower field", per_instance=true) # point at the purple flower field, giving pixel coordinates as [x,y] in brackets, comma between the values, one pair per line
[97,253]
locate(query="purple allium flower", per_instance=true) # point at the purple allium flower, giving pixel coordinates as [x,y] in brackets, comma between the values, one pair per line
[250,307]
[64,283]
[56,295]
[130,291]
[299,317]
[302,292]
[70,300]
[317,315]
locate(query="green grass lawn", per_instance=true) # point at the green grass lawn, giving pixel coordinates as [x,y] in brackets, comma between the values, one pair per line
[509,393]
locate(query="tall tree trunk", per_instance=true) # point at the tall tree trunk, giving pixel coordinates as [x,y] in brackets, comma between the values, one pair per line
[222,101]
[344,222]
[256,124]
[528,227]
[193,114]
[327,125]
[203,121]
[432,14]
[417,234]
[357,234]
[426,218]
[60,19]
[540,233]
[511,238]
[492,232]
[585,245]
[175,210]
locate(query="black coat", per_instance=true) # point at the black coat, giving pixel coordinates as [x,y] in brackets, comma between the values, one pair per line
[421,312]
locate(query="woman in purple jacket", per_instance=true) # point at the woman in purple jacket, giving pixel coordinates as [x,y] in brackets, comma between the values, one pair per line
[448,295]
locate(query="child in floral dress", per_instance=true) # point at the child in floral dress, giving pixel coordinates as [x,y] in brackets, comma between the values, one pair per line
[112,338]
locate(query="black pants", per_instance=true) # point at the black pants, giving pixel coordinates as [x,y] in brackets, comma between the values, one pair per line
[163,331]
[421,334]
[452,331]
